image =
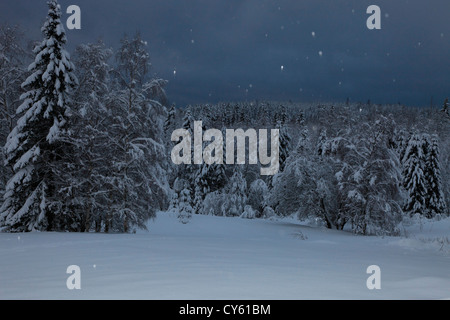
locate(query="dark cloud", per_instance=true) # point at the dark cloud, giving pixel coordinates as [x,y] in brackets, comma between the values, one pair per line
[234,50]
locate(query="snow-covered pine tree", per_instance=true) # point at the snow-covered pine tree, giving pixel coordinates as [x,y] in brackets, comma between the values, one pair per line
[185,209]
[35,147]
[300,119]
[236,195]
[187,171]
[321,142]
[435,202]
[446,108]
[414,180]
[303,143]
[201,187]
[169,124]
[402,139]
[207,179]
[285,144]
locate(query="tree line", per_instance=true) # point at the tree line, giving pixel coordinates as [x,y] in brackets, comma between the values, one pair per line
[87,148]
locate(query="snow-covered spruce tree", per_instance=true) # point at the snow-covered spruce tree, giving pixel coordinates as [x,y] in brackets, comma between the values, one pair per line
[185,209]
[321,142]
[136,152]
[169,124]
[201,187]
[35,147]
[12,74]
[236,195]
[414,180]
[446,108]
[284,150]
[188,172]
[285,144]
[207,179]
[435,202]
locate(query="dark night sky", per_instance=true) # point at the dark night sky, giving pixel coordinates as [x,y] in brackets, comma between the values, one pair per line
[234,50]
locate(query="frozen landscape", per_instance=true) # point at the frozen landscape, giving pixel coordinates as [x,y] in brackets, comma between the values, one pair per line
[239,150]
[227,258]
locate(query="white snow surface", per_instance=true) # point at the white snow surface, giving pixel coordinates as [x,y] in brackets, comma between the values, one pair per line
[227,258]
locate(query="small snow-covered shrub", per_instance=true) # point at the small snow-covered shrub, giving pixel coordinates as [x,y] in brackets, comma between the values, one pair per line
[248,213]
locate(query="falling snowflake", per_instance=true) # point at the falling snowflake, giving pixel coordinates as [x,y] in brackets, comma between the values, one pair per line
[282,68]
[313,34]
[192,41]
[320,53]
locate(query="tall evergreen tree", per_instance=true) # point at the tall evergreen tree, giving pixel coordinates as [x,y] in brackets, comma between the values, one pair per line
[236,195]
[285,144]
[185,209]
[446,108]
[435,202]
[170,121]
[414,180]
[35,147]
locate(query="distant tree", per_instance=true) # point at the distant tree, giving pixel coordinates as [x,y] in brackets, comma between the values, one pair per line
[435,202]
[185,209]
[445,108]
[370,179]
[236,195]
[258,193]
[169,124]
[414,180]
[285,145]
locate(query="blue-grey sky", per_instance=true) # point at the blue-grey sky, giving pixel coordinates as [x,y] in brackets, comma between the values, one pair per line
[231,50]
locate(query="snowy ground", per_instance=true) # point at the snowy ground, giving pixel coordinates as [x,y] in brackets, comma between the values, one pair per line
[227,258]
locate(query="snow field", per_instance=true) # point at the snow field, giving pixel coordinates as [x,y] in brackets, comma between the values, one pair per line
[226,258]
